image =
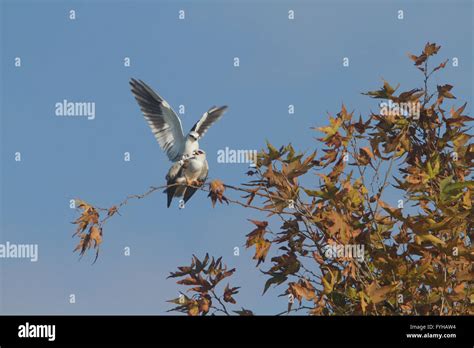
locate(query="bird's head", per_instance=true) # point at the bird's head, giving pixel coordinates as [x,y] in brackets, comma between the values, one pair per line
[194,136]
[199,152]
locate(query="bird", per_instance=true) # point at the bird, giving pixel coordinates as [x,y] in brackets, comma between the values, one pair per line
[186,176]
[166,125]
[167,128]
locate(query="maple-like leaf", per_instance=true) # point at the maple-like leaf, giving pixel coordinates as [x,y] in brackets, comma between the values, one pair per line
[228,292]
[216,192]
[378,294]
[256,237]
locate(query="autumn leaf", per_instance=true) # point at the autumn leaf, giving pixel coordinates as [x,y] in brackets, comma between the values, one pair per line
[112,211]
[441,66]
[395,213]
[444,92]
[261,250]
[277,279]
[302,289]
[386,92]
[332,129]
[256,237]
[378,294]
[257,234]
[431,49]
[193,308]
[216,192]
[96,235]
[338,226]
[327,285]
[418,59]
[429,238]
[244,312]
[363,303]
[205,304]
[203,277]
[88,220]
[361,126]
[410,95]
[228,292]
[450,191]
[365,156]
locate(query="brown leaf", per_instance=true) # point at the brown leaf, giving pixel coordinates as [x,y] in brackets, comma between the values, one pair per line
[302,289]
[261,250]
[363,303]
[361,126]
[431,49]
[193,308]
[365,156]
[441,66]
[259,224]
[205,304]
[444,92]
[113,210]
[216,192]
[418,59]
[256,235]
[228,292]
[339,226]
[96,235]
[394,212]
[244,312]
[378,294]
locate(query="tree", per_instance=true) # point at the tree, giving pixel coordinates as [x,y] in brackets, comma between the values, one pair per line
[344,246]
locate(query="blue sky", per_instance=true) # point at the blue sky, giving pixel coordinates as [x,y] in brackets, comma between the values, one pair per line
[188,62]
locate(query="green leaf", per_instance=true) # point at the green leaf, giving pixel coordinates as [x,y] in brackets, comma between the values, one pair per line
[458,186]
[450,191]
[430,238]
[276,279]
[272,151]
[433,170]
[313,193]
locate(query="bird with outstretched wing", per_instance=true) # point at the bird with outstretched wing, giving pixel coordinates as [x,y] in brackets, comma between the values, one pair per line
[190,167]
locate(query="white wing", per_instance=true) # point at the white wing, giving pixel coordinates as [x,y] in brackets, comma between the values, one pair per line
[206,121]
[163,121]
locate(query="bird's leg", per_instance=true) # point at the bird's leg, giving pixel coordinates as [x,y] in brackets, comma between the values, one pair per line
[199,183]
[194,183]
